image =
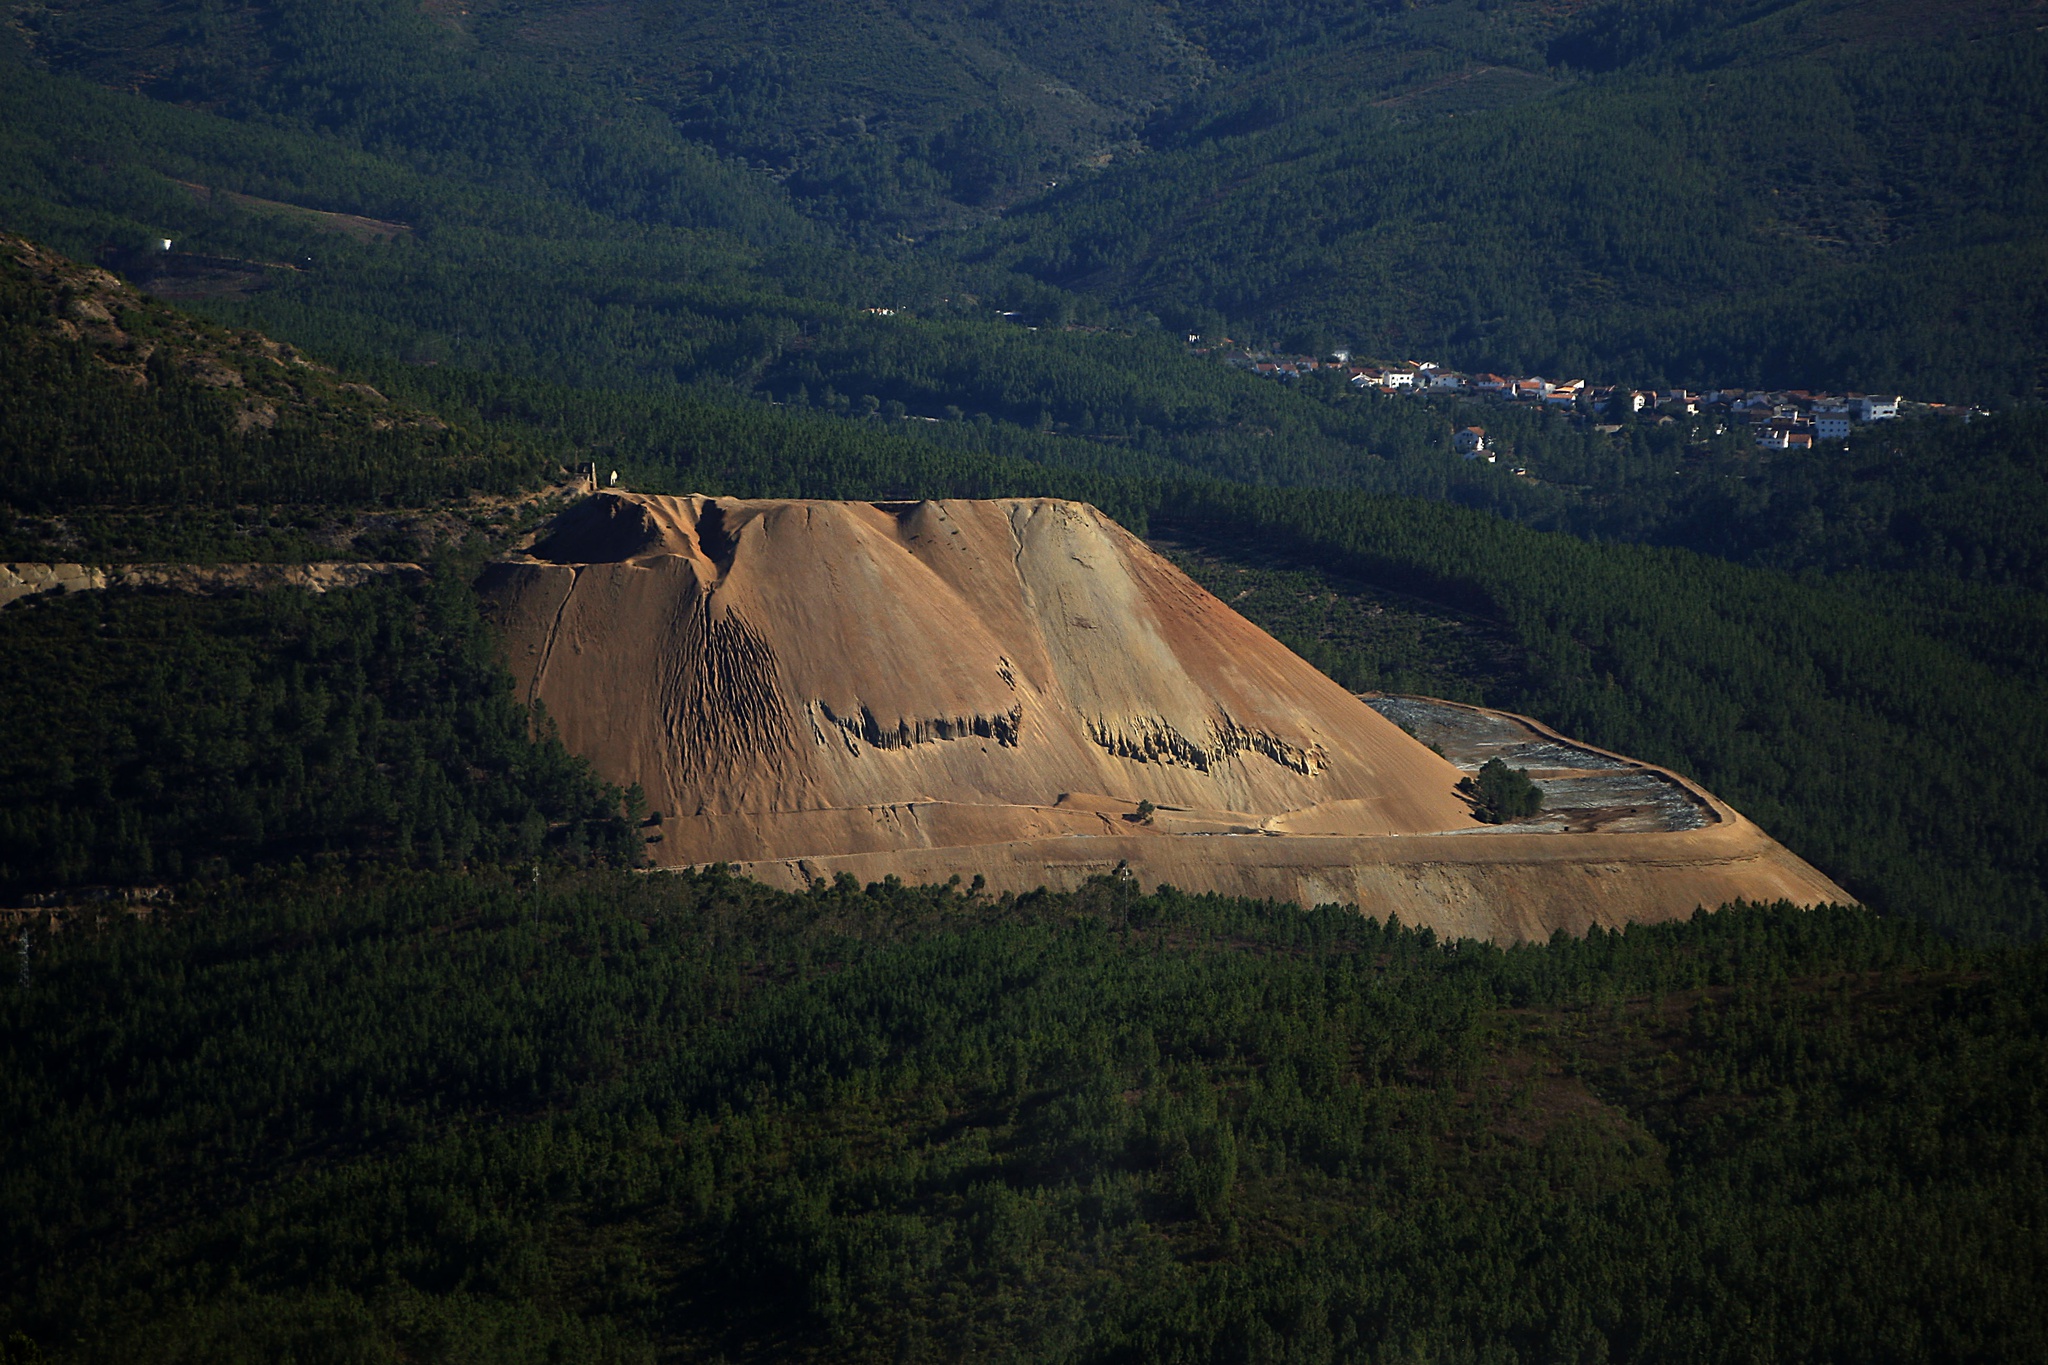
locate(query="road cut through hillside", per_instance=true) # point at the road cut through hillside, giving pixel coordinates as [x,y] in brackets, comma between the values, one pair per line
[1020,689]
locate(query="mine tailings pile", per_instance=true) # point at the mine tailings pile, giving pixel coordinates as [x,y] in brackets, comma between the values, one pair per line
[1020,689]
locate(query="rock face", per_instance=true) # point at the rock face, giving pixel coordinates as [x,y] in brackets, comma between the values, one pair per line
[993,687]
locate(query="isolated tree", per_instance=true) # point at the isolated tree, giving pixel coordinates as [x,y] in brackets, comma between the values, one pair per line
[1502,793]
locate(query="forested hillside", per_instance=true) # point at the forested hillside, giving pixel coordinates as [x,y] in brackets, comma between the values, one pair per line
[875,122]
[1815,193]
[619,1119]
[171,741]
[1866,216]
[116,399]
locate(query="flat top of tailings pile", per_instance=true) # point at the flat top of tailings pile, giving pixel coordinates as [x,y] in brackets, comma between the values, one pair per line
[1585,790]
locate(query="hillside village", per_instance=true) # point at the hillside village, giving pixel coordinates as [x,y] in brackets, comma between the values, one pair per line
[1780,419]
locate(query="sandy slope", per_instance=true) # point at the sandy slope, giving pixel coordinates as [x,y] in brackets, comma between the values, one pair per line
[967,686]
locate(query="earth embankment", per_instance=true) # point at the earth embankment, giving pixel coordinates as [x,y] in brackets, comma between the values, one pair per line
[1020,689]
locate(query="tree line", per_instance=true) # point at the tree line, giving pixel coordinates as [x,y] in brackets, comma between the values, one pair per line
[628,1118]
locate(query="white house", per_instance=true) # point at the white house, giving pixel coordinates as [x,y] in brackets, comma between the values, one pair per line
[1470,442]
[1779,434]
[1831,426]
[1873,409]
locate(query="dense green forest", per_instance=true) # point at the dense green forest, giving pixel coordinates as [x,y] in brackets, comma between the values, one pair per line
[167,739]
[1833,196]
[115,399]
[617,1118]
[1704,226]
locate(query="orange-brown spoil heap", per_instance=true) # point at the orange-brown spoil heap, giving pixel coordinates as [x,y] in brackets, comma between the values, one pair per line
[993,687]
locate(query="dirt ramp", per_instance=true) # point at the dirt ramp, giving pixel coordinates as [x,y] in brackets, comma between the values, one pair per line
[1004,686]
[1503,887]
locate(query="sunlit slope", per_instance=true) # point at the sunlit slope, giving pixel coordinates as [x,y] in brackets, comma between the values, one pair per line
[994,688]
[821,656]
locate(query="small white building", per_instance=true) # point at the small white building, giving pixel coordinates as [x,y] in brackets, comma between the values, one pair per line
[1870,408]
[1831,426]
[1680,400]
[1782,435]
[1470,442]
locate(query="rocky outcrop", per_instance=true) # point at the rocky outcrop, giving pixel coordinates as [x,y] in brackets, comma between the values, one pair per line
[96,318]
[26,580]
